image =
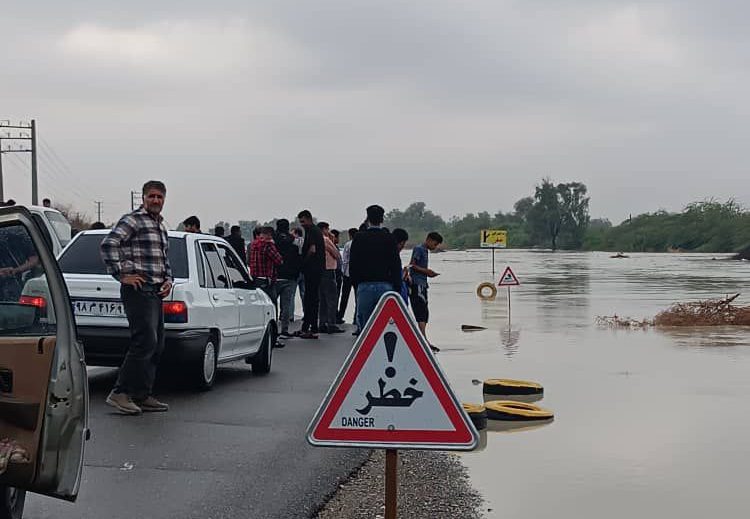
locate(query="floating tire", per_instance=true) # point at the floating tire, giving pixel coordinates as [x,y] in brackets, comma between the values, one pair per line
[506,386]
[516,411]
[486,297]
[477,414]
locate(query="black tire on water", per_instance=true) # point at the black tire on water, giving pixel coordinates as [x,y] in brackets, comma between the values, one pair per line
[12,502]
[477,414]
[516,411]
[517,387]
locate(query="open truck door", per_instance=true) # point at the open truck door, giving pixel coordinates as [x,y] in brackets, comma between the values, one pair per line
[43,382]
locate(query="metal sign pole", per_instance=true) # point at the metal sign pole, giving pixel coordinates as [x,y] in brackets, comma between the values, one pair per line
[493,261]
[508,305]
[391,483]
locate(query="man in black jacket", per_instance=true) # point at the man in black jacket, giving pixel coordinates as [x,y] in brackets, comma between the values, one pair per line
[286,284]
[374,264]
[313,264]
[237,242]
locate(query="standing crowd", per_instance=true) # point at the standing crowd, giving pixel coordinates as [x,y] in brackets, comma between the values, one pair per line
[281,261]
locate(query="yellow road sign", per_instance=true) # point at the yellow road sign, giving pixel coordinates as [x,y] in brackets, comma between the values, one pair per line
[493,238]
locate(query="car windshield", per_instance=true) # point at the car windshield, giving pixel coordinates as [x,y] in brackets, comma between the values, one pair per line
[60,225]
[83,257]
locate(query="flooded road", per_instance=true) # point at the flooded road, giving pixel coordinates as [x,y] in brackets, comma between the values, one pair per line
[648,423]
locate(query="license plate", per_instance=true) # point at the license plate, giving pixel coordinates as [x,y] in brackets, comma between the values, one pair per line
[99,308]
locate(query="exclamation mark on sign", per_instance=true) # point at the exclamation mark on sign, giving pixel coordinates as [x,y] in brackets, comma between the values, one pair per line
[390,339]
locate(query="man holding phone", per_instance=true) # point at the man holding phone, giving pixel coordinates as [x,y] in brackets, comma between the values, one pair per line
[419,274]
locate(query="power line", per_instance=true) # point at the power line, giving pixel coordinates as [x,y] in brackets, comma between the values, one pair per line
[60,175]
[60,165]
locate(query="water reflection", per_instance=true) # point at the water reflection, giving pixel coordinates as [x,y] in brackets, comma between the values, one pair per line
[506,426]
[708,337]
[510,337]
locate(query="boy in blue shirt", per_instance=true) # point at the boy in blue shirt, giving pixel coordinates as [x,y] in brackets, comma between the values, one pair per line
[420,271]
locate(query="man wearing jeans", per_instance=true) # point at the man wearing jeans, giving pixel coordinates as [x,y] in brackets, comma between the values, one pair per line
[136,254]
[374,264]
[286,284]
[313,265]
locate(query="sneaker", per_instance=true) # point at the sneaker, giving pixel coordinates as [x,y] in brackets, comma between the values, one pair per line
[286,334]
[323,328]
[434,349]
[334,329]
[308,335]
[152,405]
[279,345]
[123,403]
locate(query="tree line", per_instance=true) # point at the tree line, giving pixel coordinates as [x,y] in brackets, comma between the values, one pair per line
[556,216]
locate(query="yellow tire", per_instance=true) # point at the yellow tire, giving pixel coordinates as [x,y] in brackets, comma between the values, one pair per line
[486,297]
[507,386]
[516,411]
[477,414]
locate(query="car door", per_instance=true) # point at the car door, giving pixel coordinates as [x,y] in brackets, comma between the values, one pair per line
[251,304]
[43,382]
[223,298]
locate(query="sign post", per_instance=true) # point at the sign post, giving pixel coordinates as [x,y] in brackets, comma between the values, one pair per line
[493,239]
[508,279]
[391,394]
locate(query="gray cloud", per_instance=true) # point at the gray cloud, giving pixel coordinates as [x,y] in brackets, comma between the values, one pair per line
[254,110]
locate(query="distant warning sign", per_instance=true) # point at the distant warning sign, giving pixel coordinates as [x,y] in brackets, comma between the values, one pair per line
[493,239]
[391,393]
[508,279]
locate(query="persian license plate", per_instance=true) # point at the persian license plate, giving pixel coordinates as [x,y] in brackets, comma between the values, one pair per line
[98,308]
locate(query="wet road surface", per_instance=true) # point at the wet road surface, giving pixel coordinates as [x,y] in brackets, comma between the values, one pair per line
[237,451]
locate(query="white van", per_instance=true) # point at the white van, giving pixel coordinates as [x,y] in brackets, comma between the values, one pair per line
[58,230]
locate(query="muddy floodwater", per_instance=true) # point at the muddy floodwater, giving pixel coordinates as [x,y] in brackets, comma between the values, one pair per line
[652,423]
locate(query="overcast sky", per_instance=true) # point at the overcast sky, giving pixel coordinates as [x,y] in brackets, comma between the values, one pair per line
[254,110]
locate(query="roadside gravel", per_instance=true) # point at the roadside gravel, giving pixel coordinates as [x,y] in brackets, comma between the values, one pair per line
[431,485]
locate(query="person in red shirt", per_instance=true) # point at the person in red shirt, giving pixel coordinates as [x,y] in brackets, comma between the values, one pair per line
[263,260]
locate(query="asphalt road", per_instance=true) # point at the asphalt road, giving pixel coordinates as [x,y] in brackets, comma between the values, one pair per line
[237,451]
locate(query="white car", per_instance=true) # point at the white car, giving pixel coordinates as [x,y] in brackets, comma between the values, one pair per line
[213,315]
[55,227]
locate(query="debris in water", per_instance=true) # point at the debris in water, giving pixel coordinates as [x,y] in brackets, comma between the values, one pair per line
[615,321]
[709,312]
[471,328]
[712,312]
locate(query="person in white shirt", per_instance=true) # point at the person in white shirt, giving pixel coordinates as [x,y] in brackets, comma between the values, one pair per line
[346,286]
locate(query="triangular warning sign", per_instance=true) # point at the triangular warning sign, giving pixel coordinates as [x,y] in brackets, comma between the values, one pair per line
[390,392]
[508,279]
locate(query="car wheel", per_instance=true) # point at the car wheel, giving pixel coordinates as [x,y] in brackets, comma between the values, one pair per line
[261,361]
[206,365]
[11,502]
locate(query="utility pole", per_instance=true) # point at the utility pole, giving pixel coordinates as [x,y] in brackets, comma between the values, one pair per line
[98,211]
[34,178]
[20,136]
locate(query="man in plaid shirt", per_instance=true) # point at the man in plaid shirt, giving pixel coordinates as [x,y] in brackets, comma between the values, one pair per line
[136,254]
[263,260]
